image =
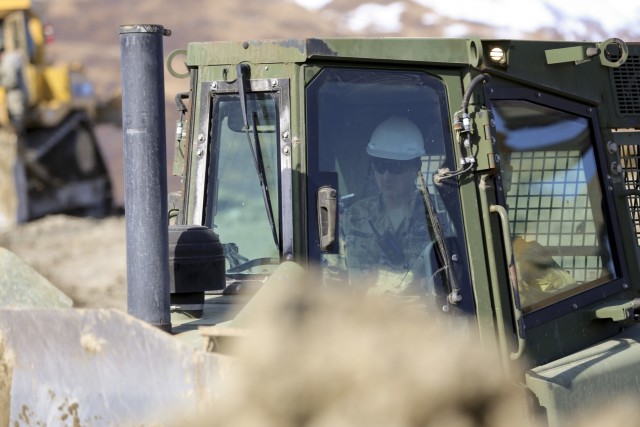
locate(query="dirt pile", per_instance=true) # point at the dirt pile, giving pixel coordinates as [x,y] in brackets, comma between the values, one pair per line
[84,257]
[327,359]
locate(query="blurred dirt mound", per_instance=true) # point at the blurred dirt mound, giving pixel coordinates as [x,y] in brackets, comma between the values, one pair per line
[84,257]
[328,360]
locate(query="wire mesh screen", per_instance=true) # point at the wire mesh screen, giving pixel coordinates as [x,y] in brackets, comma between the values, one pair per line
[629,156]
[548,202]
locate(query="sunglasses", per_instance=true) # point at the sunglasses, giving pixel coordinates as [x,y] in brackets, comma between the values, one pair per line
[394,167]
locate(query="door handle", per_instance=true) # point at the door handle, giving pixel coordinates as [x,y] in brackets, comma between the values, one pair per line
[327,205]
[515,292]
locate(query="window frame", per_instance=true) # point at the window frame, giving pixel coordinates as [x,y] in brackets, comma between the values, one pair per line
[204,145]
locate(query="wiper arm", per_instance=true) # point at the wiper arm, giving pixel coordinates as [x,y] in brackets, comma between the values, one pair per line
[243,72]
[258,161]
[453,291]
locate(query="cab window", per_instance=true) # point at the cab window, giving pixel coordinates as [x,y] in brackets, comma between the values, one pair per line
[372,134]
[554,200]
[236,207]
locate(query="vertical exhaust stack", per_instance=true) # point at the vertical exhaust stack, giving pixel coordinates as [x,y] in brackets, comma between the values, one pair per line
[145,176]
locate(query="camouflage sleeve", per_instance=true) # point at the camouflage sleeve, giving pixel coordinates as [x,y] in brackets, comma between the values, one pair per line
[334,268]
[359,239]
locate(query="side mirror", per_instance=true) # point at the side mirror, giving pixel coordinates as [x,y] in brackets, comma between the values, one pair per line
[196,265]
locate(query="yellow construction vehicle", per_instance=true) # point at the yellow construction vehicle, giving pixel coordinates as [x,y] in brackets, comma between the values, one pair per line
[52,164]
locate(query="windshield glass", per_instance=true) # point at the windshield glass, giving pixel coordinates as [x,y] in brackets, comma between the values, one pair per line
[236,208]
[371,133]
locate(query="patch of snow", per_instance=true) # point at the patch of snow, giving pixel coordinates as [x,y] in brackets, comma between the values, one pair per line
[429,19]
[570,17]
[382,18]
[456,30]
[497,13]
[312,4]
[574,19]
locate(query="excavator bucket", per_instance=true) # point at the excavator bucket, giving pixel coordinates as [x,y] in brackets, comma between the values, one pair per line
[98,367]
[23,287]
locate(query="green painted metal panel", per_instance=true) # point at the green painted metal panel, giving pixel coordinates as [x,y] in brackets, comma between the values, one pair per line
[566,54]
[435,51]
[263,51]
[442,51]
[597,375]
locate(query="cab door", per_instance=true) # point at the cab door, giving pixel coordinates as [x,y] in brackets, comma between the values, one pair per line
[351,235]
[553,187]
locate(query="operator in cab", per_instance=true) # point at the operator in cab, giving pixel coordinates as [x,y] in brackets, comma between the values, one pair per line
[387,234]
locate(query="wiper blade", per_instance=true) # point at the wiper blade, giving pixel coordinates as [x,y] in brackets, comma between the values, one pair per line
[258,161]
[453,292]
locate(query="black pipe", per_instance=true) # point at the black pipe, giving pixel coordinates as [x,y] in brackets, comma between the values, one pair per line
[145,176]
[474,82]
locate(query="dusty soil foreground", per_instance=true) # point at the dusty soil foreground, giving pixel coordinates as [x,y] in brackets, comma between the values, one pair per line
[83,257]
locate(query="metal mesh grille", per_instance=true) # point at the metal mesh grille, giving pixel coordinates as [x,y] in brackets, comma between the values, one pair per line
[630,160]
[549,202]
[626,80]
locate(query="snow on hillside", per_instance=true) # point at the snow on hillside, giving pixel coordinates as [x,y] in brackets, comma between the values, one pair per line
[569,19]
[381,18]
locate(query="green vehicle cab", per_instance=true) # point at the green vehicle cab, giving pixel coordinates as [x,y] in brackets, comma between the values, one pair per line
[528,177]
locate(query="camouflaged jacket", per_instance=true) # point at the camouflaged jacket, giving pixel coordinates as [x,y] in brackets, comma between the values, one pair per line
[381,259]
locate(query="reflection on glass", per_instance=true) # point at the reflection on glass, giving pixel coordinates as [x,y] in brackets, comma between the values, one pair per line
[554,201]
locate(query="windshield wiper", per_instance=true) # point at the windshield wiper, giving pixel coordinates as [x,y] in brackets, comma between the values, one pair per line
[454,296]
[243,71]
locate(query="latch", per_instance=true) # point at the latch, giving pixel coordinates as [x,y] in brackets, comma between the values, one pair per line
[582,54]
[619,311]
[483,149]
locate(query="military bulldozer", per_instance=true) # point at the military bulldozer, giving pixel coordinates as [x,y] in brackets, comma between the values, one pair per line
[526,186]
[52,161]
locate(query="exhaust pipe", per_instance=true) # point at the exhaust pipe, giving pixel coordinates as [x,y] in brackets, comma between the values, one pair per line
[145,175]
